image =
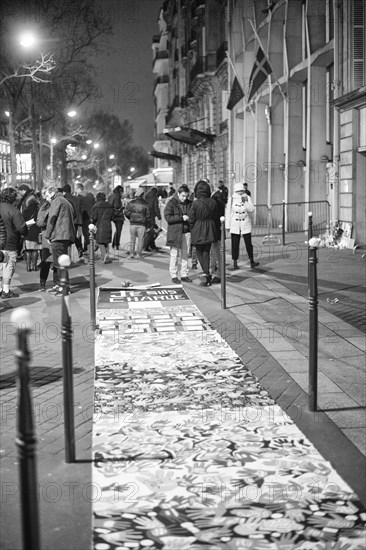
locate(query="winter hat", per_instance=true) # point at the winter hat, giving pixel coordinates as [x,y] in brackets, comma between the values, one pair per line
[239,187]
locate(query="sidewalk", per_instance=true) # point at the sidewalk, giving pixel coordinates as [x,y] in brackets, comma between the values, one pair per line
[265,323]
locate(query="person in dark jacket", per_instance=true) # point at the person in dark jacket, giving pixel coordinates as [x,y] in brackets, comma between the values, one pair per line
[87,202]
[205,226]
[176,214]
[31,243]
[60,230]
[115,199]
[45,252]
[15,229]
[138,213]
[220,195]
[102,215]
[151,197]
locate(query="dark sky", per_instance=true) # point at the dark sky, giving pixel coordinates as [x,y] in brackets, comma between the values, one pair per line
[125,79]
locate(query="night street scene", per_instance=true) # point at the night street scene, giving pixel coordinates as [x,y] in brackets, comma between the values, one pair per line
[182,267]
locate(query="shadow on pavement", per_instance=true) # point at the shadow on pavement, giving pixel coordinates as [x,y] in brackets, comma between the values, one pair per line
[40,376]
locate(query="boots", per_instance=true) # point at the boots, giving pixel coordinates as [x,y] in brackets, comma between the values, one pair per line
[34,260]
[28,261]
[253,264]
[206,280]
[236,264]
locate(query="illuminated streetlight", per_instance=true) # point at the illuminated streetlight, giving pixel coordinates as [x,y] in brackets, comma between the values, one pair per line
[27,40]
[111,157]
[72,114]
[96,145]
[89,141]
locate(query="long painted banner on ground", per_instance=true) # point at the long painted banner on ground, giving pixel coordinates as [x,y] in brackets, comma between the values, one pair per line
[190,452]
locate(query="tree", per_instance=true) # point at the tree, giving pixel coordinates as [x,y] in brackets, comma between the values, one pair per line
[71,30]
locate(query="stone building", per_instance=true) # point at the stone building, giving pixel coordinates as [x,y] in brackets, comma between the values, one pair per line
[292,73]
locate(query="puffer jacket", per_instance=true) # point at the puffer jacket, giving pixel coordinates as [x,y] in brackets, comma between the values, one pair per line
[102,215]
[173,213]
[204,218]
[61,219]
[240,221]
[138,212]
[14,224]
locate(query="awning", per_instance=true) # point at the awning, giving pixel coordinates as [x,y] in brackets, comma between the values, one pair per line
[189,135]
[165,156]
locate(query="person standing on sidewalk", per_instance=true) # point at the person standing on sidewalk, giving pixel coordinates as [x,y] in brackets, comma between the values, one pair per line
[220,195]
[138,213]
[87,202]
[115,199]
[102,215]
[45,246]
[16,228]
[60,230]
[178,238]
[205,226]
[241,224]
[151,197]
[2,239]
[31,243]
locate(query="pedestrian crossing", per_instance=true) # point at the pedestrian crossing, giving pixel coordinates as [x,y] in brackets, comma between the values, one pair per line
[190,452]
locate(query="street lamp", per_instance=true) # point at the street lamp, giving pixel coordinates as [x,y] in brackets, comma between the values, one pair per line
[53,141]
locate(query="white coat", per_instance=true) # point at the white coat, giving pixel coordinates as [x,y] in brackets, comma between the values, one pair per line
[240,221]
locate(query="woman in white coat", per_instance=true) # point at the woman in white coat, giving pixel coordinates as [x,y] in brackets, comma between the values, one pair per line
[241,224]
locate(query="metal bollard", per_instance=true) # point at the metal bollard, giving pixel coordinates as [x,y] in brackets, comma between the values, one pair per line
[26,440]
[223,263]
[313,325]
[283,223]
[310,234]
[92,230]
[67,360]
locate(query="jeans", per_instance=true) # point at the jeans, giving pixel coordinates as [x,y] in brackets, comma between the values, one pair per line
[182,253]
[137,231]
[58,248]
[117,234]
[7,267]
[216,257]
[203,255]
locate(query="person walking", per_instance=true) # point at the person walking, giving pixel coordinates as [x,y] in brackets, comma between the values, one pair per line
[241,224]
[151,197]
[45,251]
[205,227]
[102,215]
[178,239]
[115,199]
[2,239]
[138,213]
[16,228]
[60,230]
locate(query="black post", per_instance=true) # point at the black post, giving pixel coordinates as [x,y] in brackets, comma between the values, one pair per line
[26,440]
[283,222]
[67,360]
[92,229]
[223,263]
[310,235]
[313,326]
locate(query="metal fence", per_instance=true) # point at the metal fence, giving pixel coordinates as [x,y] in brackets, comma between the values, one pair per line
[291,217]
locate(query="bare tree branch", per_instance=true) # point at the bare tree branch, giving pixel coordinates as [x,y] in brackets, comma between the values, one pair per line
[36,71]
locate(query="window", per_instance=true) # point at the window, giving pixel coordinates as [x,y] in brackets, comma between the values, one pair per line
[358,43]
[362,130]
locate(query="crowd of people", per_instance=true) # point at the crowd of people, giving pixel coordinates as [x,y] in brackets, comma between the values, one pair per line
[38,227]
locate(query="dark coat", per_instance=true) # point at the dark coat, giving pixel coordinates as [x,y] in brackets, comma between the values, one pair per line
[115,200]
[151,197]
[2,234]
[14,224]
[138,212]
[102,215]
[204,218]
[61,220]
[173,213]
[30,211]
[87,201]
[76,204]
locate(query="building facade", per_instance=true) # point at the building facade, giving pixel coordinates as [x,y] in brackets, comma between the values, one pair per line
[292,73]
